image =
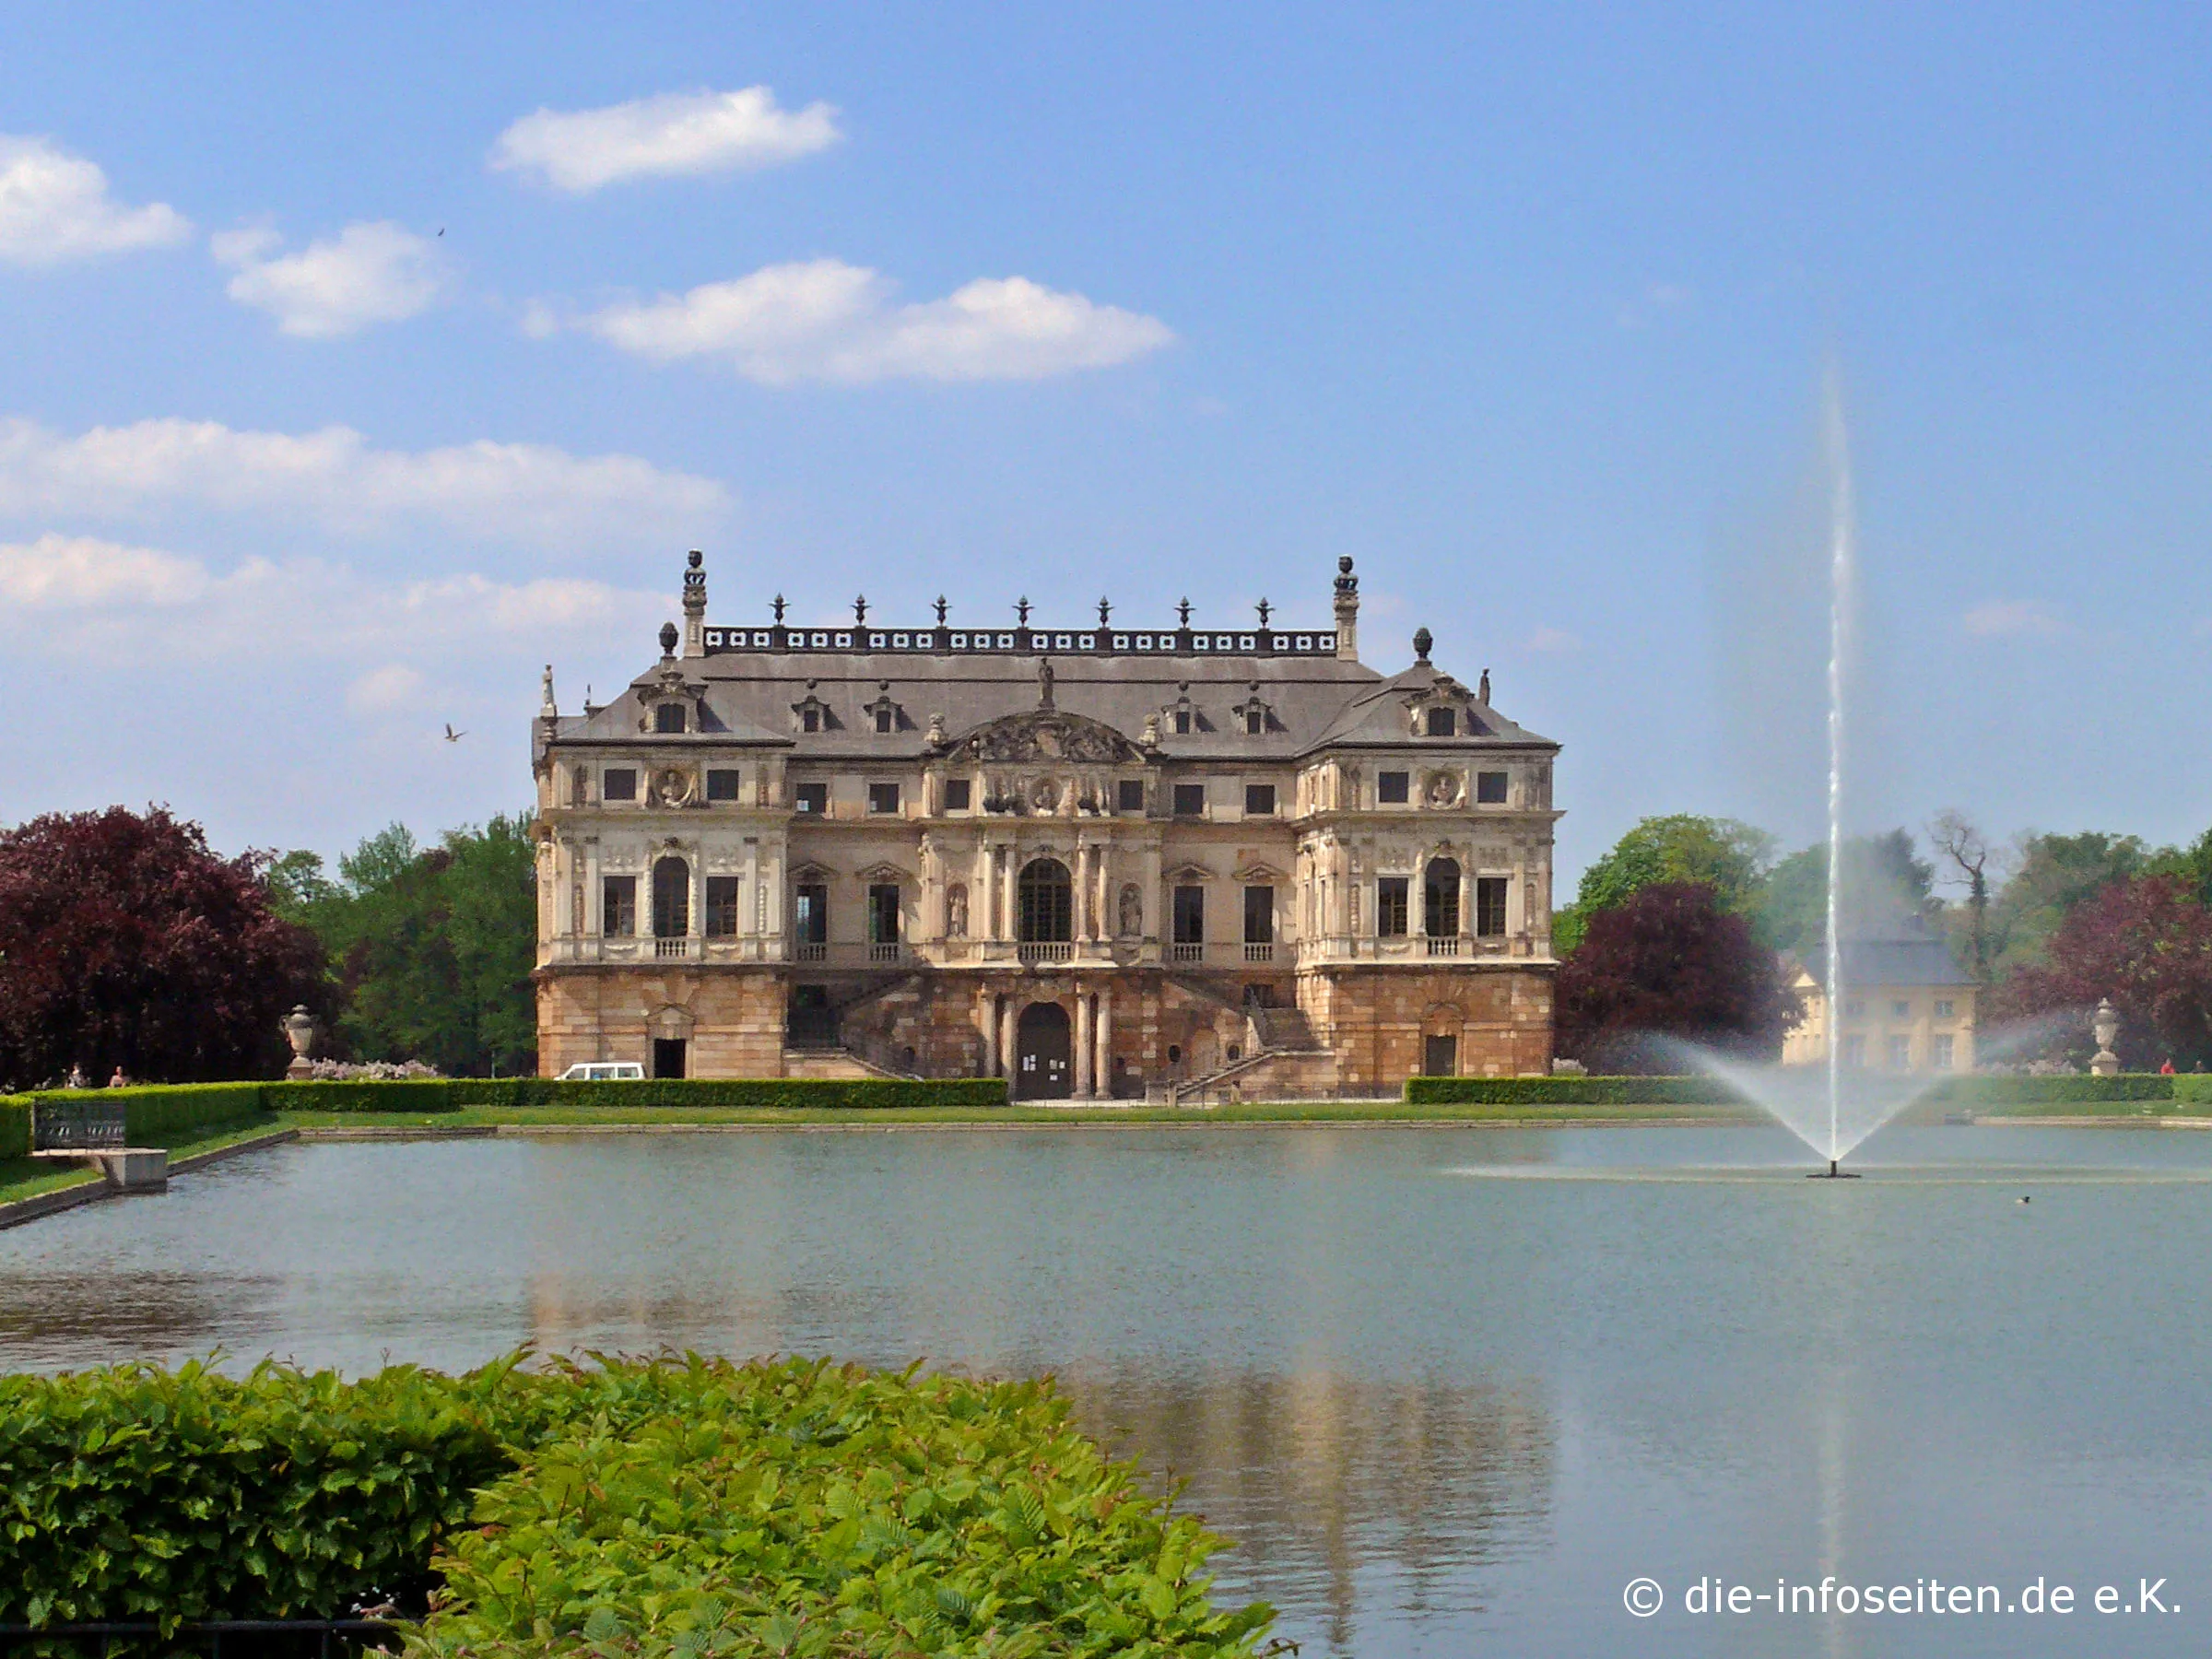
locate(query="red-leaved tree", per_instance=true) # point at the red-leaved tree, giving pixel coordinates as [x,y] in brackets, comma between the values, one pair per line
[2148,945]
[1667,962]
[125,941]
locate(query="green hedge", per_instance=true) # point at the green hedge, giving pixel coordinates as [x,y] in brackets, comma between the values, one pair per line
[398,1094]
[671,1508]
[15,1126]
[2196,1088]
[159,1114]
[1569,1091]
[2079,1089]
[735,1093]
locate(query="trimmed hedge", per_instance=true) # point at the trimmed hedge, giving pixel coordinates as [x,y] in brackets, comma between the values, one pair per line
[670,1508]
[158,1114]
[15,1126]
[1569,1091]
[2196,1088]
[2051,1091]
[394,1094]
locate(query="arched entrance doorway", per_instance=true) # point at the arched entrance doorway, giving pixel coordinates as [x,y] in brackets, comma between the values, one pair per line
[1043,1055]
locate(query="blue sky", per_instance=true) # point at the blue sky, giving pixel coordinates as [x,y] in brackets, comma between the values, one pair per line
[1526,309]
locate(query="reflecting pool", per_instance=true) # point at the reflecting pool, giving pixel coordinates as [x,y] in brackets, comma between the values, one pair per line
[1451,1390]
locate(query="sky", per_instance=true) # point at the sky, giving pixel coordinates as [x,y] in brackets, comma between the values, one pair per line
[361,360]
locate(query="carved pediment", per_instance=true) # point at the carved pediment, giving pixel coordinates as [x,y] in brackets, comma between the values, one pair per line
[1259,873]
[812,873]
[884,872]
[1047,734]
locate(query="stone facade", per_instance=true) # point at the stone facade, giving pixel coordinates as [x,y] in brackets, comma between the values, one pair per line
[1100,860]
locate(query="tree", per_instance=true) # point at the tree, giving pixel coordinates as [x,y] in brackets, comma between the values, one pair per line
[1727,856]
[2051,874]
[1884,879]
[2145,942]
[1968,852]
[433,947]
[1668,961]
[125,942]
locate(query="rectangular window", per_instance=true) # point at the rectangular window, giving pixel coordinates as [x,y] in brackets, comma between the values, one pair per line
[1443,722]
[1391,787]
[810,913]
[883,797]
[1900,1010]
[1259,800]
[721,785]
[883,720]
[619,783]
[958,793]
[1129,794]
[1854,1008]
[722,905]
[1855,1053]
[1489,906]
[668,717]
[1943,1008]
[618,913]
[1390,907]
[812,797]
[1940,1053]
[883,912]
[1259,915]
[1182,722]
[1255,723]
[810,719]
[1490,789]
[1189,800]
[1189,915]
[1900,1053]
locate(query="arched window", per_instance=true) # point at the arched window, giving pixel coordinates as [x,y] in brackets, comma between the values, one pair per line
[1443,894]
[671,898]
[1047,902]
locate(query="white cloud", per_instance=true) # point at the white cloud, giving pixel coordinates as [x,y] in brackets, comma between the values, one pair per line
[2012,618]
[372,273]
[511,492]
[65,572]
[826,319]
[676,133]
[55,207]
[72,593]
[1549,641]
[383,691]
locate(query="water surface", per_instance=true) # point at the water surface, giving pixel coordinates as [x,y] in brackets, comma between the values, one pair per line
[1451,1389]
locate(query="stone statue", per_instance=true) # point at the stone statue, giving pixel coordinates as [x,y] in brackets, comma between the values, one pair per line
[1151,733]
[1045,682]
[1130,922]
[935,739]
[300,1032]
[955,911]
[1482,693]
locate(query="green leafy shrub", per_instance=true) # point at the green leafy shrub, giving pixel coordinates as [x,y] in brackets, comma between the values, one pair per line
[363,1094]
[2196,1088]
[2076,1089]
[159,1114]
[802,1509]
[729,1093]
[135,1492]
[1569,1091]
[668,1507]
[15,1126]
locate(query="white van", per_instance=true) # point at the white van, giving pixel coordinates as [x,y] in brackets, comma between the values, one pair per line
[603,1071]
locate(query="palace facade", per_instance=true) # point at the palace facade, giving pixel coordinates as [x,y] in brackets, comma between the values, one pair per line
[1101,861]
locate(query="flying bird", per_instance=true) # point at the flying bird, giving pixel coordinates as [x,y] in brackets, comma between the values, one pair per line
[451,735]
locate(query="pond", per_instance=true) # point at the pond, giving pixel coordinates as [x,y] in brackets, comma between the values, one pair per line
[1451,1390]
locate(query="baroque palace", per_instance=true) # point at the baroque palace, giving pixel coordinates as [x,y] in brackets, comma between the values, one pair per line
[1100,860]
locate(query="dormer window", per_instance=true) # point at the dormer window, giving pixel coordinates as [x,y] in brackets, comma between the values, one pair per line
[810,719]
[883,720]
[1182,722]
[1255,714]
[885,715]
[810,714]
[1255,723]
[671,717]
[1443,722]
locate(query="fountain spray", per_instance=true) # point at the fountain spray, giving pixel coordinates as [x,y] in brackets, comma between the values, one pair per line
[1836,442]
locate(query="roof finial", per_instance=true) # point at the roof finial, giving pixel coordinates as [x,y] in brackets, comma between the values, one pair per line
[779,605]
[1022,611]
[546,707]
[1422,640]
[1482,692]
[942,608]
[859,609]
[1264,609]
[1182,613]
[668,639]
[1105,610]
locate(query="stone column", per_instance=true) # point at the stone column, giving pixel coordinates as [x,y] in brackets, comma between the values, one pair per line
[695,925]
[1081,896]
[1007,1054]
[1102,1073]
[594,890]
[1009,901]
[1085,1038]
[987,1005]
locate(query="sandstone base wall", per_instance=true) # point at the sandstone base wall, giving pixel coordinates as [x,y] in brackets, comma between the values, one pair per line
[1379,1019]
[731,1021]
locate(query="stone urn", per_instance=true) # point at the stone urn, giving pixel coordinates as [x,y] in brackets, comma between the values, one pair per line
[2105,1027]
[298,1028]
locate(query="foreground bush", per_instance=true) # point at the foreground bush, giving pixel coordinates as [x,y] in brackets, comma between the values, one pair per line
[658,1507]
